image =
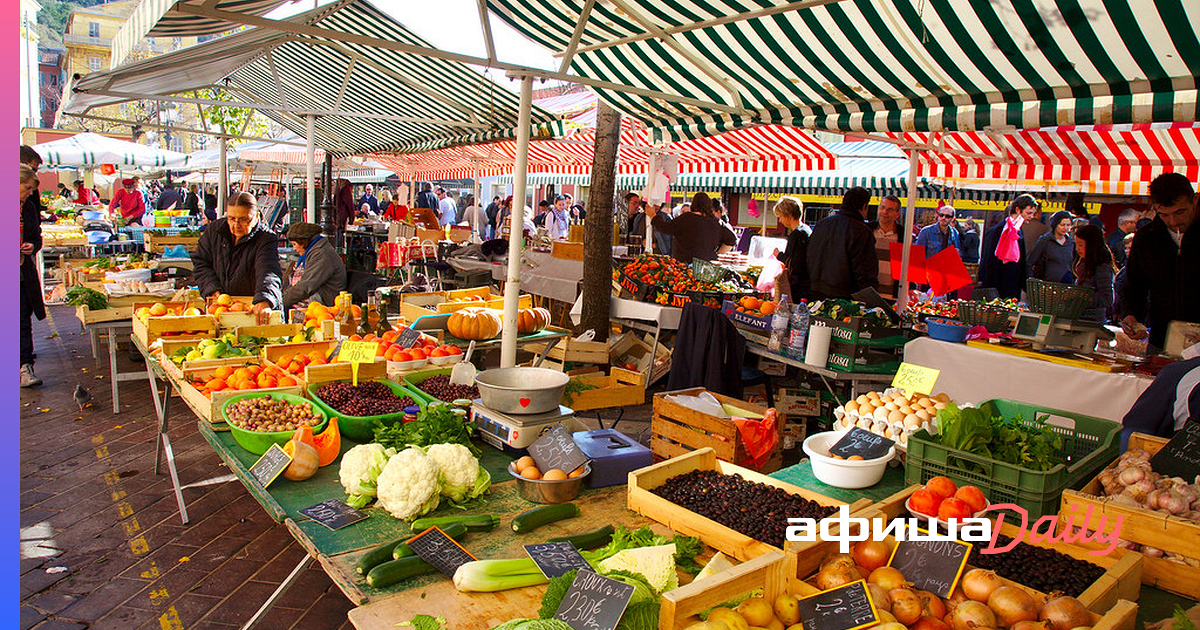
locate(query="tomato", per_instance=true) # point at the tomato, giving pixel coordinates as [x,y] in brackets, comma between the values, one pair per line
[925,502]
[973,497]
[953,508]
[943,487]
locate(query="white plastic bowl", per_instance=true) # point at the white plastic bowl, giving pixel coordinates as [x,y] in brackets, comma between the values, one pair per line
[446,360]
[843,473]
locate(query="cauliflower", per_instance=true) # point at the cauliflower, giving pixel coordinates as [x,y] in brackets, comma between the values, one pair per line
[465,478]
[409,484]
[359,470]
[656,564]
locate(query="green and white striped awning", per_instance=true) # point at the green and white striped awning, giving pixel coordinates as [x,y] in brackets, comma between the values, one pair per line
[879,65]
[366,96]
[171,18]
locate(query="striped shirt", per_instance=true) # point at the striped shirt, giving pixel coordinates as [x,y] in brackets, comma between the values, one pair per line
[883,252]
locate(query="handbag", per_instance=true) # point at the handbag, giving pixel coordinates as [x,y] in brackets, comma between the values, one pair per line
[783,282]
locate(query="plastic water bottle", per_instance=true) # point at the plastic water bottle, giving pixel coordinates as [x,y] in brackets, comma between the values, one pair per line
[779,326]
[798,333]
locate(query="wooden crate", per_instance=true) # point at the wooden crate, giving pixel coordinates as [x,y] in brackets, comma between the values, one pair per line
[415,305]
[157,244]
[87,316]
[722,538]
[342,372]
[210,409]
[169,346]
[675,429]
[232,321]
[570,350]
[269,331]
[1142,526]
[190,327]
[620,388]
[566,250]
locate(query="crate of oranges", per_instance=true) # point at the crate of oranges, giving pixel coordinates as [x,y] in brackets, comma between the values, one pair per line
[750,312]
[206,389]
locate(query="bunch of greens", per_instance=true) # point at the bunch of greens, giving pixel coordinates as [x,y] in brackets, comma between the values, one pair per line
[984,431]
[437,424]
[80,296]
[574,386]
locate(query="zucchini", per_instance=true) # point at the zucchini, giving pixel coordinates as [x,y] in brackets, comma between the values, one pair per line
[455,531]
[530,520]
[394,571]
[476,523]
[378,556]
[590,540]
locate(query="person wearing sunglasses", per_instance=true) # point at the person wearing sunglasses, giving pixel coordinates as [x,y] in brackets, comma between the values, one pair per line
[940,235]
[239,256]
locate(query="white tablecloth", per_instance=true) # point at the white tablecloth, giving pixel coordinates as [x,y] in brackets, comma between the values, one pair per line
[974,375]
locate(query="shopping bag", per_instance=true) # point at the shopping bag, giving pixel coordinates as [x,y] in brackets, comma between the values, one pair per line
[759,436]
[1008,249]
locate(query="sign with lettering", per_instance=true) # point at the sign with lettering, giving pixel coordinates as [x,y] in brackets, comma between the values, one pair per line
[440,550]
[915,379]
[408,338]
[1180,457]
[846,607]
[556,558]
[355,352]
[270,465]
[932,565]
[334,514]
[556,449]
[594,602]
[862,443]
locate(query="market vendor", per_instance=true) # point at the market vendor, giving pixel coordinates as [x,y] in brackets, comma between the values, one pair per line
[795,257]
[697,233]
[1163,269]
[130,201]
[85,195]
[237,255]
[1170,401]
[319,275]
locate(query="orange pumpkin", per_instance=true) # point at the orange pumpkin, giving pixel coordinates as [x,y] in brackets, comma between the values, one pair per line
[328,443]
[531,320]
[474,323]
[304,434]
[304,461]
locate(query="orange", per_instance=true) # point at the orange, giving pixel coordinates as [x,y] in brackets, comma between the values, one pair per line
[390,355]
[254,369]
[247,384]
[355,311]
[355,338]
[220,309]
[418,354]
[390,335]
[767,308]
[370,338]
[316,354]
[753,303]
[283,358]
[381,349]
[286,381]
[319,361]
[286,367]
[404,355]
[222,372]
[266,380]
[242,373]
[215,385]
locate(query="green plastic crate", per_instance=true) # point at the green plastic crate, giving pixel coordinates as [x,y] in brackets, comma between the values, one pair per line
[362,428]
[1090,446]
[414,380]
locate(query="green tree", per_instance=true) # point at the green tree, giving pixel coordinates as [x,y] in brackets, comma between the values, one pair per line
[230,119]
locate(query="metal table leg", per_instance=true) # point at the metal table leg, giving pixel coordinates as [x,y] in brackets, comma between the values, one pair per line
[283,587]
[162,449]
[94,338]
[112,369]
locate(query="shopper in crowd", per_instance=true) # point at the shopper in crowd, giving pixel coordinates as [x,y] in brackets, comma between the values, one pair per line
[968,240]
[1002,254]
[886,230]
[1126,225]
[841,250]
[1164,263]
[722,215]
[663,242]
[210,198]
[237,255]
[1054,252]
[492,209]
[191,201]
[539,217]
[1094,268]
[555,220]
[476,217]
[788,211]
[385,201]
[635,224]
[85,195]
[32,304]
[427,198]
[447,213]
[1074,205]
[169,198]
[63,191]
[697,234]
[577,212]
[1034,227]
[318,275]
[369,200]
[207,217]
[940,235]
[129,201]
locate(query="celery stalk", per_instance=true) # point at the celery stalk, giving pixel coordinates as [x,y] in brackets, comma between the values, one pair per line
[498,575]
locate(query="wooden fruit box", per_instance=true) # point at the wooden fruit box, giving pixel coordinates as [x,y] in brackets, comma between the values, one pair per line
[210,409]
[1142,526]
[569,350]
[269,331]
[566,250]
[415,305]
[156,243]
[676,429]
[727,540]
[233,321]
[169,346]
[87,316]
[188,327]
[491,301]
[272,352]
[620,388]
[342,372]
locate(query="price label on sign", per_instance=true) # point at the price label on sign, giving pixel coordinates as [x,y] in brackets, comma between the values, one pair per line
[915,379]
[355,352]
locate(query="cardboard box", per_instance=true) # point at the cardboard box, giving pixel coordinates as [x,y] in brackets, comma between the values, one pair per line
[795,402]
[858,331]
[745,320]
[771,367]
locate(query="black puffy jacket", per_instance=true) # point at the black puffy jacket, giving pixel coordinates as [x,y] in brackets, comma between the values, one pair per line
[250,267]
[841,256]
[1161,279]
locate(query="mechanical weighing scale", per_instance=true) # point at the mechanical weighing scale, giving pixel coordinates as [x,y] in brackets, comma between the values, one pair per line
[513,433]
[1055,332]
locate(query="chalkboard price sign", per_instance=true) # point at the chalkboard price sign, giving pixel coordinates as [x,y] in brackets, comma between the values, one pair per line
[594,602]
[270,465]
[408,338]
[863,443]
[843,608]
[556,558]
[931,565]
[1180,457]
[334,514]
[557,449]
[438,549]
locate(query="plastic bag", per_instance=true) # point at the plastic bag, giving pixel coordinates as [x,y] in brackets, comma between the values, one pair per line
[766,278]
[1008,250]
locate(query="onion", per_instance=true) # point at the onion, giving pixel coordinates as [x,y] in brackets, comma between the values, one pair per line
[978,584]
[932,604]
[1031,625]
[1153,498]
[972,615]
[906,606]
[879,595]
[886,577]
[837,558]
[929,623]
[1011,605]
[956,598]
[1153,552]
[871,554]
[836,575]
[1065,613]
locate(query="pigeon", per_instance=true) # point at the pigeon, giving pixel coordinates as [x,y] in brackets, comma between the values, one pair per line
[82,397]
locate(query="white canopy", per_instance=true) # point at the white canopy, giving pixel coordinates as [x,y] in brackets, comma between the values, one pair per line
[90,149]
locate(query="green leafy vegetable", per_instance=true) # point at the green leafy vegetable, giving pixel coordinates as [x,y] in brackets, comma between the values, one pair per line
[1182,621]
[983,431]
[641,614]
[686,547]
[574,386]
[80,296]
[425,622]
[437,424]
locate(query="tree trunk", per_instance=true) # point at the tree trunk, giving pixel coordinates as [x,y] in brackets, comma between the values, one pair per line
[598,224]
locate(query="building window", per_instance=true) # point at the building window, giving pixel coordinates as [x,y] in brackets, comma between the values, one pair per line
[93,29]
[94,64]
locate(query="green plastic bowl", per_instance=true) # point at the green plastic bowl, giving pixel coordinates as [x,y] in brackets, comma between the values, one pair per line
[258,442]
[413,382]
[362,428]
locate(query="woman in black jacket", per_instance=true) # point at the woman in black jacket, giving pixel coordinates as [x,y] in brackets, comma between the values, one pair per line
[795,257]
[31,287]
[237,255]
[319,275]
[1006,276]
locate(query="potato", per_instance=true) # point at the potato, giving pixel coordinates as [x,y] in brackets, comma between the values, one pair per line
[787,609]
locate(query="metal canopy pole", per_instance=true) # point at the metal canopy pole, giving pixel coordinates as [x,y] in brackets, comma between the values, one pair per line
[909,218]
[223,177]
[478,207]
[311,169]
[512,288]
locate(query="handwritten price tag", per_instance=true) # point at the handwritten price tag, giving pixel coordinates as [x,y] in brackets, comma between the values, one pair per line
[355,352]
[915,379]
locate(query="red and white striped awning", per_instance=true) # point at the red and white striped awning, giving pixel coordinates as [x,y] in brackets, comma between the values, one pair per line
[1103,159]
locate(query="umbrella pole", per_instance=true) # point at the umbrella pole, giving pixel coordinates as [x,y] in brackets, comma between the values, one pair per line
[475,191]
[909,218]
[311,169]
[512,288]
[222,176]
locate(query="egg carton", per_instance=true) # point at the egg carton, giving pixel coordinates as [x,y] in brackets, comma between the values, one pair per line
[891,414]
